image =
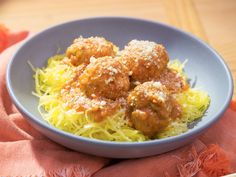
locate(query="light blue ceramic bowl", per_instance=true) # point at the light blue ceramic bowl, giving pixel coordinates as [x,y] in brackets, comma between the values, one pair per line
[204,63]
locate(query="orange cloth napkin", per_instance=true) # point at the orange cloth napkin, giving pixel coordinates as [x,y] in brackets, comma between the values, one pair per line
[8,38]
[26,152]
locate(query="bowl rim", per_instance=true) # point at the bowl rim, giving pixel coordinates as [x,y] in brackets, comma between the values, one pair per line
[189,133]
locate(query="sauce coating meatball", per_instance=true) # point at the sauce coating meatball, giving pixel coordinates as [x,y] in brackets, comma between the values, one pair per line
[152,107]
[173,81]
[146,60]
[98,109]
[83,48]
[105,77]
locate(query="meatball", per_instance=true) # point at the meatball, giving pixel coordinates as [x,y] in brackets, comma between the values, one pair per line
[98,109]
[148,121]
[105,77]
[146,60]
[152,107]
[83,49]
[173,81]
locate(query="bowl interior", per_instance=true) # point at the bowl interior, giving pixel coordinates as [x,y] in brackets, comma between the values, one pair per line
[203,63]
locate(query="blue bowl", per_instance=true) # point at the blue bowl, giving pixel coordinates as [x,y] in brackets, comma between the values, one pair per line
[204,63]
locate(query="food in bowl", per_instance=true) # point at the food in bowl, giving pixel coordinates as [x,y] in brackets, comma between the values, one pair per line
[95,90]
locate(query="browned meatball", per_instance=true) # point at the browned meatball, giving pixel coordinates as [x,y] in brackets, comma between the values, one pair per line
[146,60]
[148,121]
[98,109]
[173,81]
[105,77]
[83,49]
[152,107]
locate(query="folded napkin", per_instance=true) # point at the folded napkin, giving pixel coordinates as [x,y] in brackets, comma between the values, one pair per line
[8,38]
[26,152]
